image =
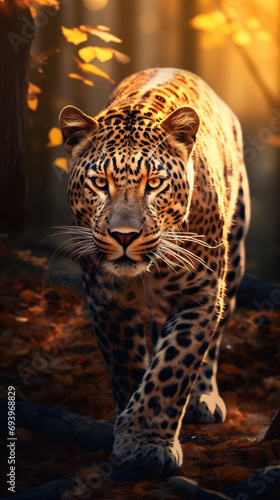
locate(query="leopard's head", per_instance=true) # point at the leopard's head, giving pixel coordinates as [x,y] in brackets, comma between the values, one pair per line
[131,179]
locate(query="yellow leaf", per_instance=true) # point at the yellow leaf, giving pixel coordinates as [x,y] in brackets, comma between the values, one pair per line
[253,23]
[264,36]
[32,99]
[208,21]
[74,35]
[55,137]
[121,57]
[61,162]
[79,77]
[242,38]
[103,54]
[33,89]
[102,27]
[54,4]
[102,32]
[33,11]
[32,102]
[50,3]
[93,70]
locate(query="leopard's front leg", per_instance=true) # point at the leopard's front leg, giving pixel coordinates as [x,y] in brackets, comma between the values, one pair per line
[147,431]
[120,334]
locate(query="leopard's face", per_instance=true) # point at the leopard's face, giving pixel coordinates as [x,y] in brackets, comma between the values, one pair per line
[131,180]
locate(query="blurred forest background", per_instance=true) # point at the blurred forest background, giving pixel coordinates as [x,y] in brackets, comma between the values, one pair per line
[233,45]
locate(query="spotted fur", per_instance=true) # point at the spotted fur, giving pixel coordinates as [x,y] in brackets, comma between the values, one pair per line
[159,196]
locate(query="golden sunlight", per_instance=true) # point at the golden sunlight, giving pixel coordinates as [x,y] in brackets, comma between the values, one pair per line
[95,4]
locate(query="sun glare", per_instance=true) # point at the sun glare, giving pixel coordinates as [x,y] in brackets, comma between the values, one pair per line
[95,4]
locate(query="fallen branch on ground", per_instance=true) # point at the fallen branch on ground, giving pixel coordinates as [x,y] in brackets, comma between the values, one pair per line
[61,426]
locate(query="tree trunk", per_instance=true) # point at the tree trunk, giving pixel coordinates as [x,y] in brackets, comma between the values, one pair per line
[17,31]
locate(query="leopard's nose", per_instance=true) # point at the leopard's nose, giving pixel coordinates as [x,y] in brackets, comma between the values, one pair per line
[124,239]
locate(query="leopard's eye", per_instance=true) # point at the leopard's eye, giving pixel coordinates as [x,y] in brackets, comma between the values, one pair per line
[154,183]
[100,183]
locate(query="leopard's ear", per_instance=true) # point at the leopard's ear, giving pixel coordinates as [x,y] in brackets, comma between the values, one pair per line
[183,124]
[76,127]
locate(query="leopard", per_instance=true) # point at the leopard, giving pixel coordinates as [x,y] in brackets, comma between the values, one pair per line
[159,198]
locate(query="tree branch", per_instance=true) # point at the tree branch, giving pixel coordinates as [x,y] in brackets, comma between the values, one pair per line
[48,491]
[273,432]
[61,426]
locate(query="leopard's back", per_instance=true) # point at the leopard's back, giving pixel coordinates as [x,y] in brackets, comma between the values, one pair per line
[157,92]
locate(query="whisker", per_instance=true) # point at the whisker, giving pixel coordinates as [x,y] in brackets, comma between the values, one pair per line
[153,261]
[152,153]
[88,138]
[188,255]
[186,262]
[144,288]
[170,243]
[80,252]
[71,230]
[65,248]
[191,237]
[165,259]
[81,243]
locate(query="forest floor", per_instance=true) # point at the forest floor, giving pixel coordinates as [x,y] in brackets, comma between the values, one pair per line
[50,356]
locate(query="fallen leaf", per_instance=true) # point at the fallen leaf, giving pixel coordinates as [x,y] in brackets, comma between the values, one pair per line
[231,400]
[224,367]
[36,310]
[21,319]
[22,352]
[102,32]
[232,474]
[55,137]
[64,379]
[27,256]
[74,35]
[7,356]
[27,295]
[62,336]
[38,261]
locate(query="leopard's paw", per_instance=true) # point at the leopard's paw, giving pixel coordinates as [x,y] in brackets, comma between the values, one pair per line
[138,448]
[205,409]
